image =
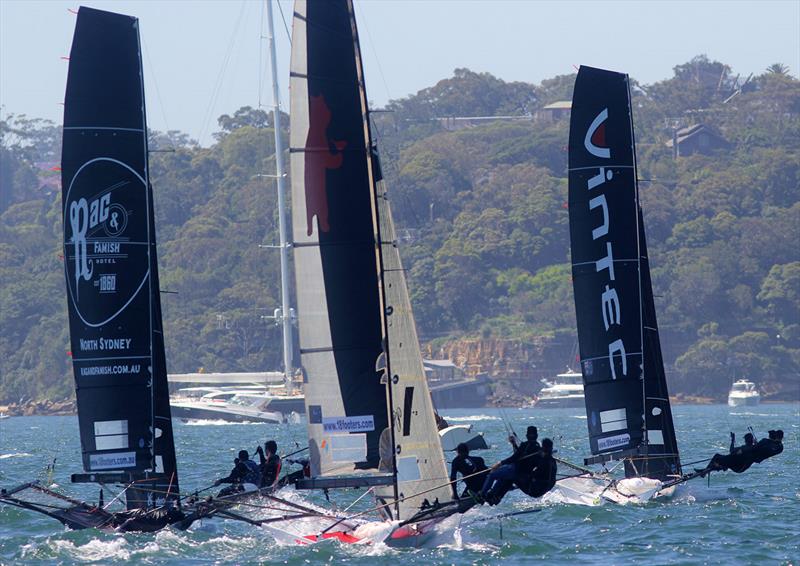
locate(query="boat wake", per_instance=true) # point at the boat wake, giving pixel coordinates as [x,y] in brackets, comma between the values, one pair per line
[15,455]
[471,418]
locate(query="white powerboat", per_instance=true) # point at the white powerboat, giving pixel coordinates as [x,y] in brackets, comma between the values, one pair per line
[566,390]
[743,393]
[241,404]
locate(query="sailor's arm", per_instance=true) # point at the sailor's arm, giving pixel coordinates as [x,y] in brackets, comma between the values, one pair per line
[277,474]
[453,476]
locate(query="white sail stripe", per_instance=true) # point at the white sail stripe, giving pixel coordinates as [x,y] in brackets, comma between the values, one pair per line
[103,128]
[627,355]
[120,357]
[596,167]
[595,263]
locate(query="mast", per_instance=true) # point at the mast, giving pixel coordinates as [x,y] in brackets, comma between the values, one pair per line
[286,311]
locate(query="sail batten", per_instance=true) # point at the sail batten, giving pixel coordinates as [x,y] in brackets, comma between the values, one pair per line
[110,261]
[625,388]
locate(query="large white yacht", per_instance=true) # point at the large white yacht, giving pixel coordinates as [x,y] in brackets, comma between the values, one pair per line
[230,404]
[743,392]
[566,390]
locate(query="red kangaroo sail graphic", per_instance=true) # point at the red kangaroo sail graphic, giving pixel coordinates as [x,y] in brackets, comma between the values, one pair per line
[319,158]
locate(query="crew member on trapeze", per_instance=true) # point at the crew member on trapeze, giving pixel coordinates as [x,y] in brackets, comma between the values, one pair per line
[543,478]
[517,468]
[469,467]
[243,477]
[740,458]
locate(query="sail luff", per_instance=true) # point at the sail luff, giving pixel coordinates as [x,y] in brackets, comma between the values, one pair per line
[372,165]
[639,230]
[659,430]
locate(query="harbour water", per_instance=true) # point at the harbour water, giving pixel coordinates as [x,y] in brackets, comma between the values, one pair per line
[750,518]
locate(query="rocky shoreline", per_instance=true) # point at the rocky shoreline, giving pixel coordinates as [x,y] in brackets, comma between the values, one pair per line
[42,407]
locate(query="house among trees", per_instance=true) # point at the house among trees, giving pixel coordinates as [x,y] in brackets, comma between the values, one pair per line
[699,138]
[555,111]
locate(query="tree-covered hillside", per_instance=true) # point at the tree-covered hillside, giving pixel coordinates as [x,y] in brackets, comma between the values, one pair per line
[483,222]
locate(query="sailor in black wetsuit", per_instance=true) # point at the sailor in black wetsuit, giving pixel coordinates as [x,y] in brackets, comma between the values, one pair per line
[469,468]
[742,457]
[270,464]
[738,458]
[243,477]
[768,447]
[519,465]
[543,477]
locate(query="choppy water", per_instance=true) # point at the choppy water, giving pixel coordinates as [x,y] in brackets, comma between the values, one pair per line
[752,518]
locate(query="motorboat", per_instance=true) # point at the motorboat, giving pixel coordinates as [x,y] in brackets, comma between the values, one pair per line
[240,404]
[565,390]
[743,392]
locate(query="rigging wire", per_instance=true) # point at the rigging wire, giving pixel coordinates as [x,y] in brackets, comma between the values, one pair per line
[286,27]
[363,16]
[260,74]
[223,68]
[152,73]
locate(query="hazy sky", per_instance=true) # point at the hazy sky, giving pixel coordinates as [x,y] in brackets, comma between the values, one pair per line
[408,45]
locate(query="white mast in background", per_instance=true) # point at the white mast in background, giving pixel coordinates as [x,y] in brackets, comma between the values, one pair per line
[286,315]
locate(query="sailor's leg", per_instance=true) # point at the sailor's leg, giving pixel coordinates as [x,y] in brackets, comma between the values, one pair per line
[499,491]
[502,474]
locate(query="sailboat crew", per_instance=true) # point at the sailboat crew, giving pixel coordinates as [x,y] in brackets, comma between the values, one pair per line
[270,464]
[517,468]
[543,476]
[469,467]
[244,476]
[741,458]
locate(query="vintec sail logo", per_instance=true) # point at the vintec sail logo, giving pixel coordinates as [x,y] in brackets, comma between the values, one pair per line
[594,142]
[105,239]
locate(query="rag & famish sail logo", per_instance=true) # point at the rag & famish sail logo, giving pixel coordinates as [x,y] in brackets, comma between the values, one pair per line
[594,142]
[106,238]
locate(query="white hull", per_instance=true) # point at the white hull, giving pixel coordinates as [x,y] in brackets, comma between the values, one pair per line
[204,411]
[570,401]
[738,401]
[743,393]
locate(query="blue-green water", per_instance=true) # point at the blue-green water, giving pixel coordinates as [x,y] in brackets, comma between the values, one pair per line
[752,518]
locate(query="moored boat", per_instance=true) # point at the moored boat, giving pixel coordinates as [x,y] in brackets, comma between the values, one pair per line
[743,393]
[565,390]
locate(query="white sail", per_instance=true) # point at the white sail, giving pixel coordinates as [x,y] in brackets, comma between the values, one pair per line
[418,452]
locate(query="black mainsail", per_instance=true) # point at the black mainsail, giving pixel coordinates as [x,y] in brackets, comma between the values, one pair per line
[358,344]
[627,402]
[111,266]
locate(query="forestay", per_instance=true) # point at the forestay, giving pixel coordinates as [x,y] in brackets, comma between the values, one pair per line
[110,261]
[627,403]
